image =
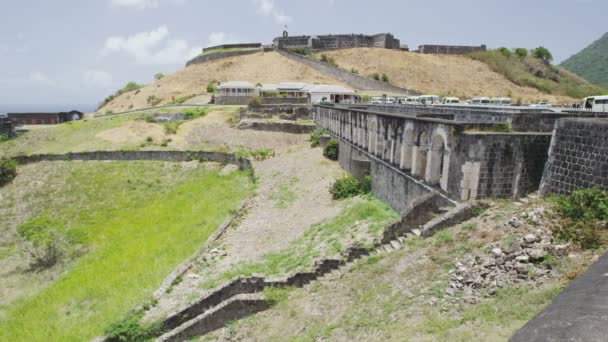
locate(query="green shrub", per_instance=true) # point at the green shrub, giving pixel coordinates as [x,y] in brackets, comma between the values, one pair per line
[195,112]
[153,100]
[183,99]
[275,295]
[584,214]
[172,126]
[504,51]
[385,78]
[8,171]
[4,137]
[211,88]
[354,71]
[375,76]
[129,329]
[255,101]
[299,51]
[315,136]
[262,154]
[45,241]
[331,150]
[366,184]
[502,127]
[345,187]
[328,59]
[158,76]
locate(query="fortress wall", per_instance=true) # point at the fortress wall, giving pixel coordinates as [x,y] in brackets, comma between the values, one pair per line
[219,55]
[578,157]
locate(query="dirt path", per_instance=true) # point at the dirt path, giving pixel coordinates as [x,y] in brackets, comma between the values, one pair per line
[291,196]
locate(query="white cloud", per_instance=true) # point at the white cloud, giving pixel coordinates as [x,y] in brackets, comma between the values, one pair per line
[97,78]
[40,78]
[143,4]
[151,48]
[267,8]
[217,38]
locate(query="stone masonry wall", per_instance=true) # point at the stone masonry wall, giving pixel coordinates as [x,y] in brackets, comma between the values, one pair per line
[578,157]
[219,55]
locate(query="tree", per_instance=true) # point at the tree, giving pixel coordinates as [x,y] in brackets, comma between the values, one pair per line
[504,51]
[46,241]
[158,76]
[543,53]
[521,52]
[211,88]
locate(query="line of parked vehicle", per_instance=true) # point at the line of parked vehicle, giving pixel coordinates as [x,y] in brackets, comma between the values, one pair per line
[591,103]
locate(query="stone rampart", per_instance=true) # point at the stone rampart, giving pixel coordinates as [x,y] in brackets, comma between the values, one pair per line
[578,157]
[173,156]
[214,56]
[233,46]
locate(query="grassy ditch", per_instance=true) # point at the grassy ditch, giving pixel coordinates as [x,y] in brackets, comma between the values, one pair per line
[139,221]
[361,221]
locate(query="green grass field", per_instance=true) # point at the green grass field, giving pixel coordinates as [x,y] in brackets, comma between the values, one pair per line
[74,136]
[140,220]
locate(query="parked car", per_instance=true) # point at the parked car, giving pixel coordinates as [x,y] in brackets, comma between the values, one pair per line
[541,105]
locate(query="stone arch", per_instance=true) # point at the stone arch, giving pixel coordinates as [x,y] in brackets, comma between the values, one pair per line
[420,155]
[407,149]
[437,162]
[500,171]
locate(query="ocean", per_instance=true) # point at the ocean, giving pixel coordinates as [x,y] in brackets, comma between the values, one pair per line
[20,108]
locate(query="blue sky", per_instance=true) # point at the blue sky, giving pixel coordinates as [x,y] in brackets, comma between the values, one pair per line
[77,52]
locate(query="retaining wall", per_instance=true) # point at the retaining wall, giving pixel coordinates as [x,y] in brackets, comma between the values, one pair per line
[219,55]
[174,156]
[283,100]
[353,80]
[232,100]
[578,157]
[276,126]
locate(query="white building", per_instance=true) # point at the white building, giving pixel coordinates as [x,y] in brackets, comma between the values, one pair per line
[330,93]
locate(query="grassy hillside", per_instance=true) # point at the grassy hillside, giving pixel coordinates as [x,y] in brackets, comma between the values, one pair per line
[455,75]
[267,67]
[139,220]
[591,63]
[532,72]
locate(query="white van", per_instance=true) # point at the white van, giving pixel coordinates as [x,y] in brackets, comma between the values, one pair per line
[413,100]
[501,101]
[402,100]
[596,103]
[450,100]
[428,99]
[390,100]
[376,100]
[480,101]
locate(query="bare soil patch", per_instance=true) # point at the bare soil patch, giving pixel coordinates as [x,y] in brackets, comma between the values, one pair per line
[136,131]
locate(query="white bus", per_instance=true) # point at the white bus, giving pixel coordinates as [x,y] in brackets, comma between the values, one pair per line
[428,99]
[596,103]
[478,101]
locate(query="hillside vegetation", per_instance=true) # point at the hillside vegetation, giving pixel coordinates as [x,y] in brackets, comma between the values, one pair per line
[533,72]
[267,67]
[591,63]
[136,221]
[440,74]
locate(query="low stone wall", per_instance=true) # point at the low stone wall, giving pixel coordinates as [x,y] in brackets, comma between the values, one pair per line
[353,80]
[276,126]
[287,111]
[283,100]
[578,157]
[173,156]
[219,55]
[232,100]
[233,46]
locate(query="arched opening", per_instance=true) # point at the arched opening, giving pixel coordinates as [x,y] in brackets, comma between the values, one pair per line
[406,149]
[422,147]
[436,163]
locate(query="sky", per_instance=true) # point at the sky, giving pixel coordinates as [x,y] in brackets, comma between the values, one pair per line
[74,53]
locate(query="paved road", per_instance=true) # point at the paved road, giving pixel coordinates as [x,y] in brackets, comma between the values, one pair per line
[579,313]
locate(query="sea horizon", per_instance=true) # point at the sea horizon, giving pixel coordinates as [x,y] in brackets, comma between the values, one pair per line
[22,108]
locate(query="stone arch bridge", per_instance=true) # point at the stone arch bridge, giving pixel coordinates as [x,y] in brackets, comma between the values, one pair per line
[411,155]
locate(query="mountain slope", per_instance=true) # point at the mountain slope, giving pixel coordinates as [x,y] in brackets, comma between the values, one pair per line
[461,76]
[268,67]
[591,62]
